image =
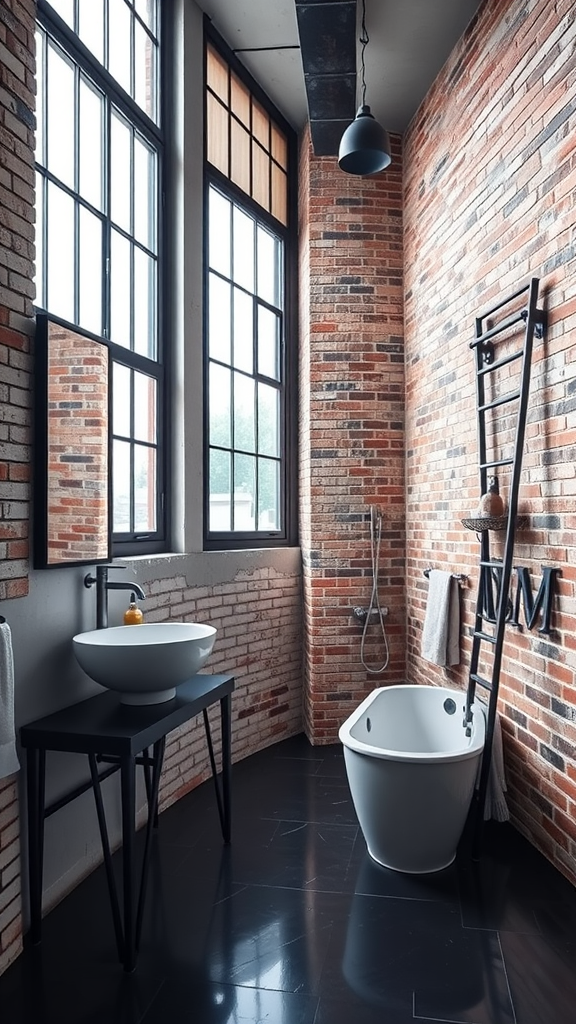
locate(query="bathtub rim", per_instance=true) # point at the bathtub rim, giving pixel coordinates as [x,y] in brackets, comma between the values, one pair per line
[476,741]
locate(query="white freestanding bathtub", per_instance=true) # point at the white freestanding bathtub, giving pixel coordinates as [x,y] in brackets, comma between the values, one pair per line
[412,770]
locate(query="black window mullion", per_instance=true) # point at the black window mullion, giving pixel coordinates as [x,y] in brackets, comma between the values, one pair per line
[107,232]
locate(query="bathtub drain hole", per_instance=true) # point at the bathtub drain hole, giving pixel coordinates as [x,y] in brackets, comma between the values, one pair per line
[449,706]
[368,725]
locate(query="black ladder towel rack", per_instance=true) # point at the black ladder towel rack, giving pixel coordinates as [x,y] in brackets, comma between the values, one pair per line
[499,361]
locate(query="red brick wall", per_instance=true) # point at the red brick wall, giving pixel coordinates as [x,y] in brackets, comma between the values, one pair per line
[16,292]
[352,428]
[488,203]
[258,618]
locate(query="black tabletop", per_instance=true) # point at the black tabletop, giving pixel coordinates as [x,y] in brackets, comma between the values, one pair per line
[102,725]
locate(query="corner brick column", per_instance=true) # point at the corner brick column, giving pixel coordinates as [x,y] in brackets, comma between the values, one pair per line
[352,429]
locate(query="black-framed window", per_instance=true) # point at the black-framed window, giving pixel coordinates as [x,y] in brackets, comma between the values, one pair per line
[99,163]
[250,324]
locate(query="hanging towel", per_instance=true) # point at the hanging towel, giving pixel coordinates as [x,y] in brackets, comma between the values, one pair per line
[495,805]
[441,633]
[9,763]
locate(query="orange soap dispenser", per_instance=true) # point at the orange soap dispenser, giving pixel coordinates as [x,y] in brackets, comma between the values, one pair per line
[133,615]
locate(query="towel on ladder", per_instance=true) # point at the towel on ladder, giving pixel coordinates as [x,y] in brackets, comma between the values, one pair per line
[495,805]
[9,763]
[441,633]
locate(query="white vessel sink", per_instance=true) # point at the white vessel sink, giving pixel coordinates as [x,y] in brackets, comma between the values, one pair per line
[144,663]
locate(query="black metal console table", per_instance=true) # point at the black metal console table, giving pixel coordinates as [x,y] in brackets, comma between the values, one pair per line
[121,736]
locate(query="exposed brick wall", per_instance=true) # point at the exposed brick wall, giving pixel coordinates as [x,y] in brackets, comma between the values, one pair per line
[352,428]
[259,639]
[16,294]
[489,186]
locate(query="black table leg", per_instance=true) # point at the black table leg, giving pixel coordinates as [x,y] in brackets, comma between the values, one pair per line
[128,786]
[226,726]
[35,784]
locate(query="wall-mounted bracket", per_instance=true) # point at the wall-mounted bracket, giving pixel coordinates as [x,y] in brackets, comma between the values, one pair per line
[487,351]
[540,321]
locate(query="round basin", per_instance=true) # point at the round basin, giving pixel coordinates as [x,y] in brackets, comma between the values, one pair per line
[144,663]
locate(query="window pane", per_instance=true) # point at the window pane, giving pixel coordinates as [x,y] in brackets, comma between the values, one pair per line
[244,413]
[244,492]
[240,156]
[121,486]
[279,206]
[219,406]
[144,304]
[260,176]
[144,193]
[219,319]
[40,98]
[243,331]
[144,408]
[217,74]
[217,134]
[120,290]
[60,255]
[268,343]
[268,267]
[120,172]
[90,156]
[268,495]
[268,420]
[219,232]
[39,242]
[65,8]
[279,147]
[91,27]
[90,272]
[261,126]
[240,100]
[147,11]
[144,488]
[144,71]
[243,249]
[119,47]
[121,402]
[60,115]
[220,513]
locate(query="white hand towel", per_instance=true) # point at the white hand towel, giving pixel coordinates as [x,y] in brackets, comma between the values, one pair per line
[9,763]
[441,633]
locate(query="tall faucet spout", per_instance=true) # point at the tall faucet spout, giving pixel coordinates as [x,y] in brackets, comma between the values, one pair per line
[126,585]
[103,585]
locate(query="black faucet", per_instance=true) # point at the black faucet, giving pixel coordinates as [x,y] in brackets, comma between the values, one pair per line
[103,585]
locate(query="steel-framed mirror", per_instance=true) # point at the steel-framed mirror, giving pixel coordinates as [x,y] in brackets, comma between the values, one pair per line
[72,522]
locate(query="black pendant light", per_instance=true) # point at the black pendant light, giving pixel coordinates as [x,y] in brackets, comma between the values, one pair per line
[365,145]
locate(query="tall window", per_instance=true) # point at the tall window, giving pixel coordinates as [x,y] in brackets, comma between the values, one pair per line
[249,328]
[99,160]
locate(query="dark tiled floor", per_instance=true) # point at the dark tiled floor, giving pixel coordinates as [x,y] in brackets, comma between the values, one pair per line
[294,924]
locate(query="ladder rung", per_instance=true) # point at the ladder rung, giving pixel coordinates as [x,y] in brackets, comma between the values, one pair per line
[493,331]
[504,302]
[512,396]
[497,462]
[490,367]
[484,636]
[492,565]
[481,682]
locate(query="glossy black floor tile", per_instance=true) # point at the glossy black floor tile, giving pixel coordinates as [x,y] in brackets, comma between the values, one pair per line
[293,923]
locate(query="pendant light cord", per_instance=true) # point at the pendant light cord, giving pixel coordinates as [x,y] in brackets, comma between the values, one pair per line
[364,40]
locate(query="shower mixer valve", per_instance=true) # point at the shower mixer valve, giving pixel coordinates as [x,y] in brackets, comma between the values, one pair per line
[362,613]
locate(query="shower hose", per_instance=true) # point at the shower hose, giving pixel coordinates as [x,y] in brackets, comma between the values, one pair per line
[374,607]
